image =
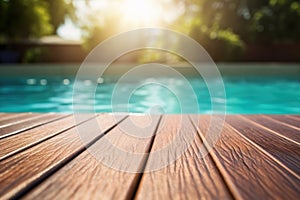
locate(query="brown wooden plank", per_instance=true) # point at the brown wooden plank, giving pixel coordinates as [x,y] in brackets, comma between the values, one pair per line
[279,128]
[94,179]
[190,176]
[251,171]
[38,120]
[286,152]
[5,116]
[15,118]
[17,143]
[296,117]
[2,114]
[22,171]
[288,121]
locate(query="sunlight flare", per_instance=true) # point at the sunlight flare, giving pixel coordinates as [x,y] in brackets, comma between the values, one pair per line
[137,12]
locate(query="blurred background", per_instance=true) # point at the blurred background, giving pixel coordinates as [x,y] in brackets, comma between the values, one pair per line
[230,30]
[255,44]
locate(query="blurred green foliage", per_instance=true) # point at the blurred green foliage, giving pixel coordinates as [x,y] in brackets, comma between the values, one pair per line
[220,26]
[23,19]
[278,21]
[59,10]
[34,54]
[99,28]
[223,27]
[268,21]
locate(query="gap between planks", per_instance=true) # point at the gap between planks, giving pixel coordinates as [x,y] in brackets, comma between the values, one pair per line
[139,177]
[38,121]
[36,139]
[263,150]
[92,169]
[239,153]
[23,189]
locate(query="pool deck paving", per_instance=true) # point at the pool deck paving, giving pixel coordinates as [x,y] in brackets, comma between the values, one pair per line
[59,156]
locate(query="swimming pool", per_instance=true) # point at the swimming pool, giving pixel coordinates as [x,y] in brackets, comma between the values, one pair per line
[245,94]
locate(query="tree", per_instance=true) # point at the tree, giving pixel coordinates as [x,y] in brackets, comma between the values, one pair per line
[24,19]
[33,18]
[3,10]
[278,21]
[216,25]
[59,10]
[96,28]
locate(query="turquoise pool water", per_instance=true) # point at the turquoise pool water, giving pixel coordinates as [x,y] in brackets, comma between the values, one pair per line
[244,95]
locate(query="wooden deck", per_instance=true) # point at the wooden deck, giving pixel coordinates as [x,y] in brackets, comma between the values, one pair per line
[256,157]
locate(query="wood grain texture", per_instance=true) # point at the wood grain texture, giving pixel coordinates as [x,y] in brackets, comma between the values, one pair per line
[286,152]
[5,116]
[296,117]
[188,176]
[41,119]
[256,157]
[253,173]
[24,170]
[16,118]
[289,121]
[276,126]
[88,178]
[16,143]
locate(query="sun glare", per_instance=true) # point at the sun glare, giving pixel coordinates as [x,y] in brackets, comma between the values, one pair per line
[141,12]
